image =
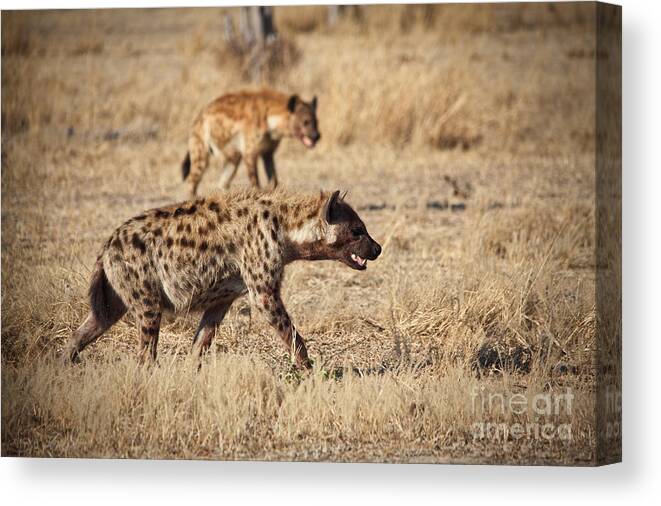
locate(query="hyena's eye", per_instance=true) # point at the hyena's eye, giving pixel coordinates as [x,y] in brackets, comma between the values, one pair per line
[358,231]
[306,122]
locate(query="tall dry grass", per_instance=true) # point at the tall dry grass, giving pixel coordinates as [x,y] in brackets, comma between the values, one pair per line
[237,408]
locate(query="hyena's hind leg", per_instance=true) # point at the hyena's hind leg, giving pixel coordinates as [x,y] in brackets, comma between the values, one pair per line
[231,161]
[107,309]
[149,326]
[206,331]
[196,163]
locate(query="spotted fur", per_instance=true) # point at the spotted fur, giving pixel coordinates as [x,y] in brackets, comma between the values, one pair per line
[202,255]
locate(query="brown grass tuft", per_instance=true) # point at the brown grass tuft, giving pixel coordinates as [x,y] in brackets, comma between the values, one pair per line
[266,65]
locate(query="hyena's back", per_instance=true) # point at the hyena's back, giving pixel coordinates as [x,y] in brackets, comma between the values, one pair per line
[177,258]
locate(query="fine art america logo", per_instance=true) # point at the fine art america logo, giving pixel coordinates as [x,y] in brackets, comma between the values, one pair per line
[539,415]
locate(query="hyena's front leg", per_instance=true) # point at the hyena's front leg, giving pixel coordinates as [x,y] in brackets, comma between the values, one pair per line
[269,167]
[231,164]
[251,166]
[199,161]
[268,302]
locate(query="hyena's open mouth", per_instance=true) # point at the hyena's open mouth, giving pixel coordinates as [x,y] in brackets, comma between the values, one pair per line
[358,262]
[307,141]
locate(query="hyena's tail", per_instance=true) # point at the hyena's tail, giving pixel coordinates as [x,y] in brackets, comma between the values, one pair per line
[107,306]
[185,166]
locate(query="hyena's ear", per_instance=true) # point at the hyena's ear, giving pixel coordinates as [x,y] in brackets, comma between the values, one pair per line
[291,104]
[330,208]
[313,104]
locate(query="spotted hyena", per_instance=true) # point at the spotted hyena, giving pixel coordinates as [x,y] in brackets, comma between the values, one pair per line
[201,255]
[248,125]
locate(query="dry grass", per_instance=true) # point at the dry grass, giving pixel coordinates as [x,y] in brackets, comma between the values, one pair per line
[486,280]
[237,408]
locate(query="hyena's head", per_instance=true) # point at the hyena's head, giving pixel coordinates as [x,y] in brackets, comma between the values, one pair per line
[345,235]
[303,120]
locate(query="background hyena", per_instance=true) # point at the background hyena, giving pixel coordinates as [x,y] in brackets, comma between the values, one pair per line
[202,255]
[247,125]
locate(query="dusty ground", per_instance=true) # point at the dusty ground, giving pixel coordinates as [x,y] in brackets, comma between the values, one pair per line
[464,138]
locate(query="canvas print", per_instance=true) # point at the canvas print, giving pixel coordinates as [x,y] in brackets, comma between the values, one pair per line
[386,233]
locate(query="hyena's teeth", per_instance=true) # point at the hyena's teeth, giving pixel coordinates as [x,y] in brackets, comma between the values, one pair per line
[360,261]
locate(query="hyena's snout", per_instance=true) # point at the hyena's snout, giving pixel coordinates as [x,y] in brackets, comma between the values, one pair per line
[375,250]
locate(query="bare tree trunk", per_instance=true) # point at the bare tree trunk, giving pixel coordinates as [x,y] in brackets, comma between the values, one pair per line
[247,26]
[257,25]
[257,29]
[267,25]
[256,34]
[229,35]
[334,12]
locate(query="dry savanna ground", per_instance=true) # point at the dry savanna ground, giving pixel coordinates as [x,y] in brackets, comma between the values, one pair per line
[464,135]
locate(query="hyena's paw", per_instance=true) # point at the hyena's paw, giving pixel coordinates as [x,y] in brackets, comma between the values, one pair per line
[70,356]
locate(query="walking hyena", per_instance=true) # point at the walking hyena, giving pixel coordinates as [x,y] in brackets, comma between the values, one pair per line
[247,125]
[202,255]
